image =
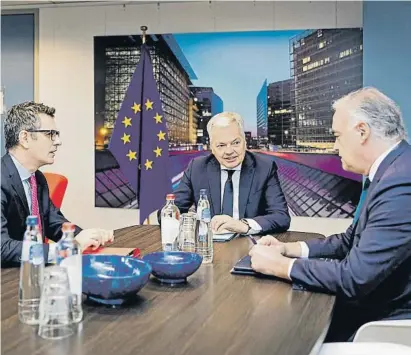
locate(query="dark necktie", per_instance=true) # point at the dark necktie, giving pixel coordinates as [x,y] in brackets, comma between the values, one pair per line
[228,195]
[363,196]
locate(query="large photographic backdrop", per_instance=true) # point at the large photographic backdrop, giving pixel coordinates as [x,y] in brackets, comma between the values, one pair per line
[282,83]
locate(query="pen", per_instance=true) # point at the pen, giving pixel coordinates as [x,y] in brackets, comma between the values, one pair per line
[252,239]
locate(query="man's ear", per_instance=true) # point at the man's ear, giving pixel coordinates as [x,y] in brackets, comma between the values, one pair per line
[364,131]
[24,139]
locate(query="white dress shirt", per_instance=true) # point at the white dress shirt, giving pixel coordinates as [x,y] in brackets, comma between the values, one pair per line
[254,226]
[373,170]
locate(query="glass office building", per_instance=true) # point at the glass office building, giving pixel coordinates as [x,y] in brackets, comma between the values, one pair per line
[325,65]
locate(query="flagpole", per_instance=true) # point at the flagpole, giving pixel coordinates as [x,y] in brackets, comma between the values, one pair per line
[142,57]
[143,36]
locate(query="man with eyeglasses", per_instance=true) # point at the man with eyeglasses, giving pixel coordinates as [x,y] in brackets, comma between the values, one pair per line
[31,141]
[243,188]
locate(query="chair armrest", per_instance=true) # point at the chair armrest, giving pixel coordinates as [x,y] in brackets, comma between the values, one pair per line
[389,331]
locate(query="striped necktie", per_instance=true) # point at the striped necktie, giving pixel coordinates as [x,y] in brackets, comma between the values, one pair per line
[35,210]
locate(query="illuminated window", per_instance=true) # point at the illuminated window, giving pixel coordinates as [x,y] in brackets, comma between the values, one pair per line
[321,45]
[306,60]
[346,53]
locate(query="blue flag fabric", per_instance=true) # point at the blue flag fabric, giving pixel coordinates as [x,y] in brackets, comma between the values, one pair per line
[140,138]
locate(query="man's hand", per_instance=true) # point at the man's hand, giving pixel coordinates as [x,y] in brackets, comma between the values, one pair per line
[292,250]
[269,240]
[224,223]
[270,260]
[94,238]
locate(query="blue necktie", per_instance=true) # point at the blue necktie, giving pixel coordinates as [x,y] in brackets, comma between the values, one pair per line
[363,196]
[228,197]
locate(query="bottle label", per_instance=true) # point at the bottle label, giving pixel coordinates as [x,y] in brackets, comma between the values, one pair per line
[169,230]
[73,264]
[202,232]
[36,255]
[25,252]
[206,215]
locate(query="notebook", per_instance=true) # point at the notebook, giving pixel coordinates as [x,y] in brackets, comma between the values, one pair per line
[224,237]
[134,252]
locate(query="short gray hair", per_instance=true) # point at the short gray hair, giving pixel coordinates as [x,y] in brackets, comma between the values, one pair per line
[224,119]
[24,116]
[380,112]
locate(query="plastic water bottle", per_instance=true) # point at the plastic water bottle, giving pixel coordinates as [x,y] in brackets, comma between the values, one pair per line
[170,224]
[31,273]
[204,241]
[68,255]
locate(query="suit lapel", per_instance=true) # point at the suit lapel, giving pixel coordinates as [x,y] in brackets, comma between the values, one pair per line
[246,181]
[385,164]
[214,185]
[16,183]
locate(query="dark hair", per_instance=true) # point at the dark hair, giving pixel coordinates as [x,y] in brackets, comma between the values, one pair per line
[23,116]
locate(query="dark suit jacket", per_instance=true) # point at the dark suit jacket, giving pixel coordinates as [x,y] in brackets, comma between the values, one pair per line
[260,194]
[14,211]
[373,257]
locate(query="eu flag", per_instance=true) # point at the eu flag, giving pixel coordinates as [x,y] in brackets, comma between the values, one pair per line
[140,141]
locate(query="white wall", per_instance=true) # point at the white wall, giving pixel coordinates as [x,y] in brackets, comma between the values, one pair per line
[66,70]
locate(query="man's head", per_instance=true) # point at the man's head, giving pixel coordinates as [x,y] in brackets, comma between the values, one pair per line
[30,132]
[366,123]
[227,138]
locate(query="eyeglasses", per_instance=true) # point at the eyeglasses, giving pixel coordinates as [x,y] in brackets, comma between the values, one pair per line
[52,133]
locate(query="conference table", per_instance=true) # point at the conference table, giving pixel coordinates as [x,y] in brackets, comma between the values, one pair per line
[215,312]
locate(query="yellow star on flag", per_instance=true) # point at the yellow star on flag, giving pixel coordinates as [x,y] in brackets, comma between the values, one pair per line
[149,104]
[148,164]
[158,118]
[126,138]
[126,122]
[158,152]
[131,155]
[136,108]
[161,136]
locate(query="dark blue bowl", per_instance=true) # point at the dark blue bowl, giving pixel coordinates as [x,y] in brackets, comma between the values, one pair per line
[173,266]
[113,279]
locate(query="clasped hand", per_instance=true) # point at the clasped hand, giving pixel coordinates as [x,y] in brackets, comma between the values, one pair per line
[94,237]
[268,257]
[227,224]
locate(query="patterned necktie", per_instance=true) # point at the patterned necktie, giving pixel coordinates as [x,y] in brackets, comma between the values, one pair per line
[363,196]
[35,211]
[228,197]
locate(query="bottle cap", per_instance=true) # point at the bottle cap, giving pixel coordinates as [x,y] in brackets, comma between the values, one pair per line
[68,227]
[32,220]
[203,191]
[170,197]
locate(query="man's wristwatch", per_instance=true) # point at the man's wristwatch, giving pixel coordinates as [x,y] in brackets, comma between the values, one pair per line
[248,225]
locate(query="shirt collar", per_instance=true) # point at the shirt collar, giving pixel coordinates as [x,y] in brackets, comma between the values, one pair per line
[379,160]
[23,172]
[237,168]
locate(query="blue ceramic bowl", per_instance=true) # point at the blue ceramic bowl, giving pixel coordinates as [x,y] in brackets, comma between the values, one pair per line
[173,266]
[113,279]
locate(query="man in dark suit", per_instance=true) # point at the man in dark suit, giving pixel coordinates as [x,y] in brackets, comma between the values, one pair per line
[243,188]
[31,141]
[368,267]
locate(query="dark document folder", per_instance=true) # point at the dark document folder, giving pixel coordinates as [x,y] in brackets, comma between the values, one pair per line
[243,267]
